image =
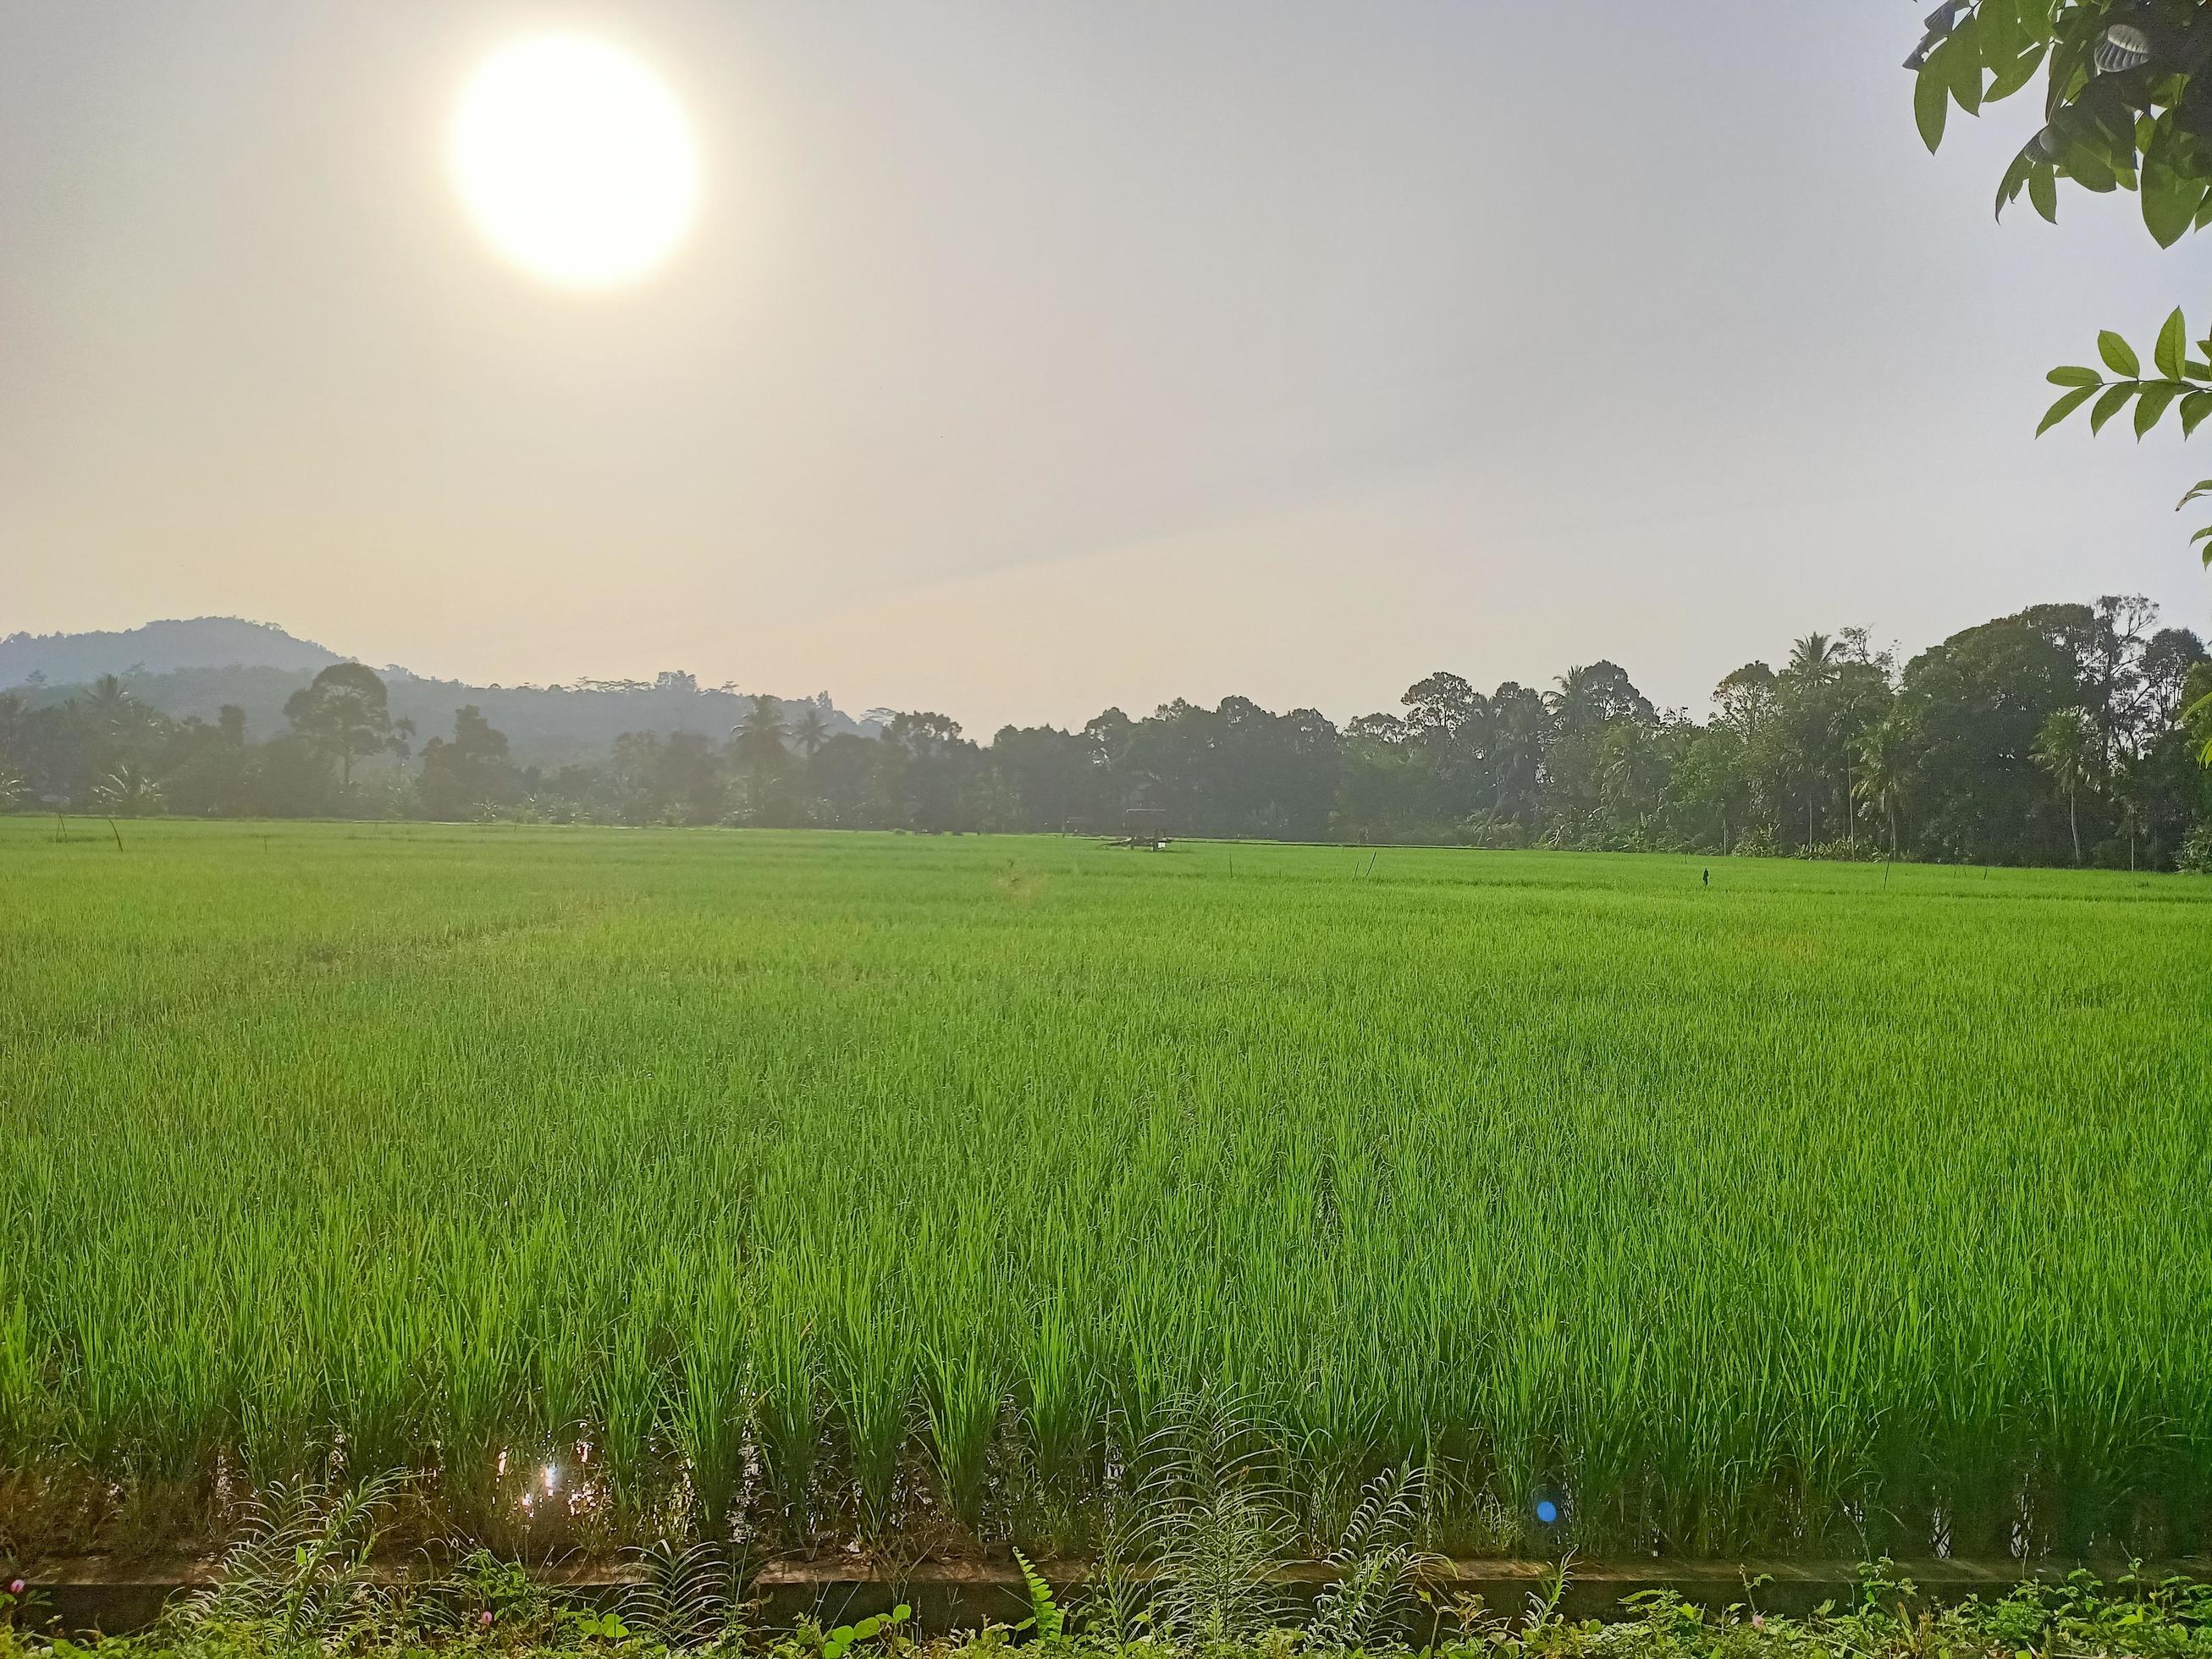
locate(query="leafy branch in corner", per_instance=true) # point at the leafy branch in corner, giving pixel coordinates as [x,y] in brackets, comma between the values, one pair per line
[2182,385]
[2125,108]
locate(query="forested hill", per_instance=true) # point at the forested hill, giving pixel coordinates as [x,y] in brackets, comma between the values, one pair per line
[158,647]
[2075,733]
[193,669]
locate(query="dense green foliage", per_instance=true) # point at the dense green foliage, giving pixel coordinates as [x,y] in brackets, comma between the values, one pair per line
[1839,752]
[301,1580]
[2071,1622]
[875,1184]
[2124,105]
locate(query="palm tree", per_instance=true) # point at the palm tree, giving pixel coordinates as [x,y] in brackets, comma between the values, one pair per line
[1574,702]
[2066,746]
[128,792]
[110,705]
[1885,756]
[2127,791]
[1630,769]
[811,731]
[757,739]
[1515,749]
[1814,664]
[1815,660]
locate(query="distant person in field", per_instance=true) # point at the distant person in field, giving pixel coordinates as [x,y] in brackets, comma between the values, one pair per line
[1709,878]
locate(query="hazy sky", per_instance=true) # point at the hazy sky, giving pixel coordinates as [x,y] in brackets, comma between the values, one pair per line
[1026,358]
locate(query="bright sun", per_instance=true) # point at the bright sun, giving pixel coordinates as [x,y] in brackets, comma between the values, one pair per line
[576,160]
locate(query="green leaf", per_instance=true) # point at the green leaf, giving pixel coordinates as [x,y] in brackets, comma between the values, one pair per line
[2016,177]
[2170,354]
[2156,396]
[2090,170]
[2002,36]
[2075,376]
[2014,73]
[1964,63]
[2114,400]
[2119,357]
[2202,487]
[2194,408]
[2043,191]
[1931,102]
[2065,406]
[2172,182]
[2170,203]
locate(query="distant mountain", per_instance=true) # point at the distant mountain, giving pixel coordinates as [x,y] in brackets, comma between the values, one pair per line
[192,669]
[158,647]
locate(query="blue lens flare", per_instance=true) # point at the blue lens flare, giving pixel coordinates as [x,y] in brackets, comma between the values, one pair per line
[1547,1511]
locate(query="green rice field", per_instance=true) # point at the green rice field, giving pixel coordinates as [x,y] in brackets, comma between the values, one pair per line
[824,1185]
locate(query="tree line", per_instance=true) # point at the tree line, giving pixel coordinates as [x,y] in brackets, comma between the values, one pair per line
[2064,734]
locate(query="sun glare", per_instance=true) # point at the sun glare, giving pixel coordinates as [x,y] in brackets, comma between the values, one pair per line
[576,160]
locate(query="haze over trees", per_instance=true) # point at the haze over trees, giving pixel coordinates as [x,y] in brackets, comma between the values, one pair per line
[2063,734]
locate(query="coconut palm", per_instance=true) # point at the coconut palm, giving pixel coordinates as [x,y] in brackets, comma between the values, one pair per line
[1815,660]
[129,792]
[2127,791]
[1815,664]
[1574,700]
[1885,757]
[110,705]
[757,744]
[2066,746]
[809,731]
[1517,731]
[1631,769]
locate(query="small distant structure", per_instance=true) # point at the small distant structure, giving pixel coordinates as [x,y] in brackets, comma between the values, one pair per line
[1145,827]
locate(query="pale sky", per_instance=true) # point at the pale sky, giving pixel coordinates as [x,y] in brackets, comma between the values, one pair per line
[1028,358]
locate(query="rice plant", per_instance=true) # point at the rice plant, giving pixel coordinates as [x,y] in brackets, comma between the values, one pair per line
[799,1188]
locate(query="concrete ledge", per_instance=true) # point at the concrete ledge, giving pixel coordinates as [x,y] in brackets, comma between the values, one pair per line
[114,1595]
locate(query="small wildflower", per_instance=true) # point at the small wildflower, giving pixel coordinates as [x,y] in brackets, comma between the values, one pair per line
[1758,1621]
[483,1619]
[15,1587]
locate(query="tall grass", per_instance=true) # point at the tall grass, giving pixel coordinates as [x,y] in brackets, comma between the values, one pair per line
[844,1185]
